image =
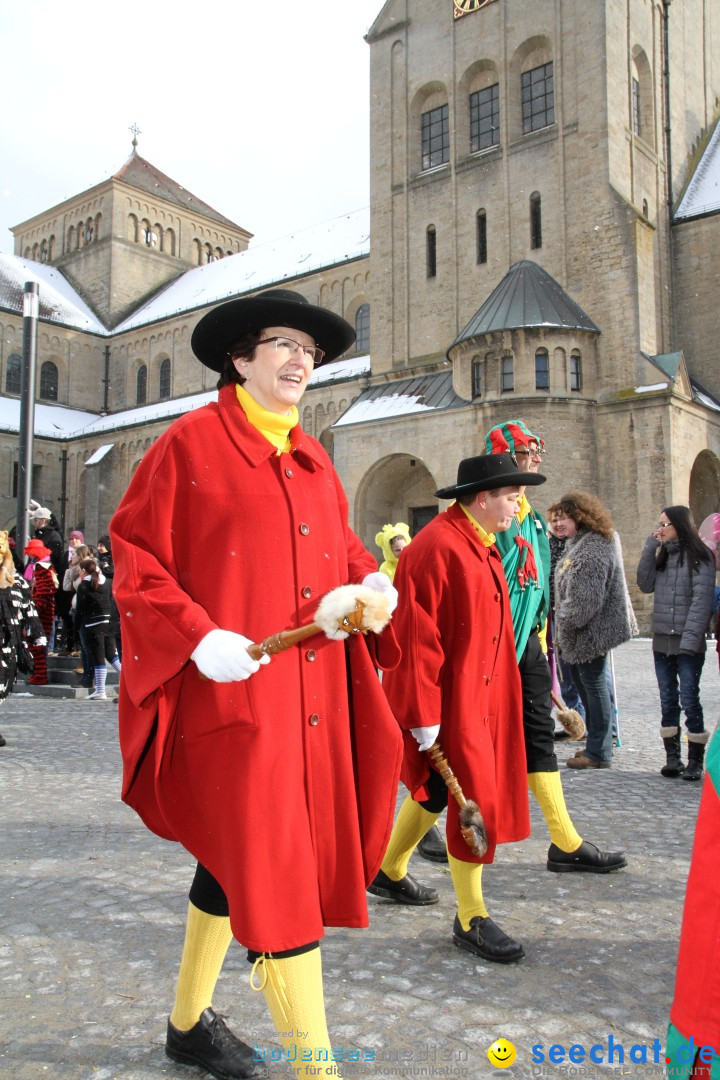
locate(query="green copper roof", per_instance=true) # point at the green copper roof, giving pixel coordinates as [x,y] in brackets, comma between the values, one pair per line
[527,296]
[669,363]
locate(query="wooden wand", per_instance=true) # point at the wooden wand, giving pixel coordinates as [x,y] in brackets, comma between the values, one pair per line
[472,825]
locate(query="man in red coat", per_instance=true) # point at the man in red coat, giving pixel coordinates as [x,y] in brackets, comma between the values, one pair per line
[458,682]
[280,780]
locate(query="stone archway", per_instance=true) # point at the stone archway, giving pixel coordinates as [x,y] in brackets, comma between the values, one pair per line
[704,493]
[396,488]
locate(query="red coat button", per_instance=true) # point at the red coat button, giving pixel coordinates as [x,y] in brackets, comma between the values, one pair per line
[307,592]
[497,596]
[305,529]
[314,720]
[495,639]
[310,655]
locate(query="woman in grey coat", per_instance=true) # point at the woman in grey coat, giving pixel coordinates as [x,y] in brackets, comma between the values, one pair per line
[680,570]
[593,613]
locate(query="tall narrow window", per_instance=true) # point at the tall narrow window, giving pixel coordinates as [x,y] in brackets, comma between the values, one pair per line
[362,328]
[141,385]
[538,98]
[477,377]
[484,118]
[535,221]
[49,381]
[542,370]
[13,374]
[435,131]
[481,236]
[431,251]
[636,106]
[164,387]
[575,370]
[507,375]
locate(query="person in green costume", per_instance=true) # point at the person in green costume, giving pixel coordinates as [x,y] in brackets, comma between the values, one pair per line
[525,552]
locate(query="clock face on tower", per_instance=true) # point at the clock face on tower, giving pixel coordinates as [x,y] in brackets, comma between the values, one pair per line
[464,7]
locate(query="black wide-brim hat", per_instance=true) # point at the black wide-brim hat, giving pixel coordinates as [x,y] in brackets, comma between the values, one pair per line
[221,329]
[487,472]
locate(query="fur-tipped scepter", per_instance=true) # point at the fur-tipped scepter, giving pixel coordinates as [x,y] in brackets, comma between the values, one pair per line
[472,825]
[349,609]
[570,719]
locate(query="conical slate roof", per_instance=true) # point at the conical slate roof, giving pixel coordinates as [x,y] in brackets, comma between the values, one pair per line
[527,296]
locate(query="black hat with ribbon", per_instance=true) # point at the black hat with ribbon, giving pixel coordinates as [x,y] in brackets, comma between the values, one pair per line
[219,330]
[487,472]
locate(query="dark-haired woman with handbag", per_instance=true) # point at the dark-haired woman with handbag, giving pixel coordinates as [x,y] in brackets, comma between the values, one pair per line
[680,570]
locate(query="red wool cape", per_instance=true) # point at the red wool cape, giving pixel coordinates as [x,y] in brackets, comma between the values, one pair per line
[459,670]
[283,788]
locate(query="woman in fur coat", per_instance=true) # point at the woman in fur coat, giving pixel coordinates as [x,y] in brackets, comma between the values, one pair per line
[593,613]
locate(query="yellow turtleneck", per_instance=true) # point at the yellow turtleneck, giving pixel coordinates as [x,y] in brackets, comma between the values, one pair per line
[487,538]
[524,510]
[274,426]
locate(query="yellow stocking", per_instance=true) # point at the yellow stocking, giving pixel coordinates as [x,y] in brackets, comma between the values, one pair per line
[467,882]
[412,823]
[207,938]
[293,990]
[547,789]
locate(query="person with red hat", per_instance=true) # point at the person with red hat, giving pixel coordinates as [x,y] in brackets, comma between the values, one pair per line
[525,552]
[281,781]
[44,588]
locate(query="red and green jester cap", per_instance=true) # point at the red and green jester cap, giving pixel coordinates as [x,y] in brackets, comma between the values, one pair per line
[507,437]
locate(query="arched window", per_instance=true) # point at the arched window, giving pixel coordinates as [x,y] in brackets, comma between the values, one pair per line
[165,372]
[481,237]
[535,220]
[71,238]
[431,251]
[435,137]
[507,375]
[538,98]
[141,385]
[485,118]
[362,328]
[542,370]
[13,374]
[49,381]
[575,370]
[477,377]
[44,251]
[169,241]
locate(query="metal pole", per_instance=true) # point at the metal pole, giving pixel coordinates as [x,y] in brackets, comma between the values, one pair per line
[27,414]
[63,490]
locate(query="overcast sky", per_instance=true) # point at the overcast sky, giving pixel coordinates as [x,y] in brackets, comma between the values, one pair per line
[258,107]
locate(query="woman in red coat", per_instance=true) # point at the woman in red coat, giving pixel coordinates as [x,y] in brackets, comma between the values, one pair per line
[278,779]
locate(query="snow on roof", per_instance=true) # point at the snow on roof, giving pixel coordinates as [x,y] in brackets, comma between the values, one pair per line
[58,422]
[702,195]
[304,252]
[59,302]
[421,393]
[340,371]
[647,389]
[99,454]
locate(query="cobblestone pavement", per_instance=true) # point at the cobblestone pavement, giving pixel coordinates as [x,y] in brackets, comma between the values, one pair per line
[92,911]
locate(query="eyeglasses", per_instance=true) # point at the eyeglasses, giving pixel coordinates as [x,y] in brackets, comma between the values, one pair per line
[311,352]
[665,525]
[533,453]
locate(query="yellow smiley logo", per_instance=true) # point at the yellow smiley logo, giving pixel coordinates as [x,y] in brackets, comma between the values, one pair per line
[501,1054]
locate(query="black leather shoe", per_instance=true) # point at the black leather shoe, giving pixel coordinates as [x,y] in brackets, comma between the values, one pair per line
[212,1046]
[586,858]
[405,891]
[432,846]
[486,939]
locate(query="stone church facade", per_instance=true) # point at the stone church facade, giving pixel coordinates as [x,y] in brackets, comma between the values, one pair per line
[543,243]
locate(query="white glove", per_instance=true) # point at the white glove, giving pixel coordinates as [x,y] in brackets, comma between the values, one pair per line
[426,736]
[223,657]
[381,583]
[40,641]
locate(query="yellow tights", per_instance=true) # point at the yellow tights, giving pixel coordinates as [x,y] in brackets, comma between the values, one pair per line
[207,938]
[413,821]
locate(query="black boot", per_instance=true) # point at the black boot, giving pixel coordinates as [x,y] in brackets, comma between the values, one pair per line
[673,765]
[432,846]
[694,768]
